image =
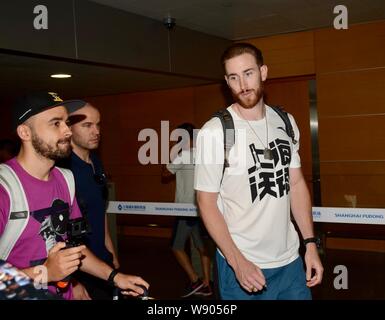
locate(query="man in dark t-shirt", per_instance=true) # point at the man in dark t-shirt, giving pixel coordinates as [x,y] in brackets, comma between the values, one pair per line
[91,193]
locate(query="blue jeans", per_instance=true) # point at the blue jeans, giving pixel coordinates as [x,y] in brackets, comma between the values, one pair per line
[283,283]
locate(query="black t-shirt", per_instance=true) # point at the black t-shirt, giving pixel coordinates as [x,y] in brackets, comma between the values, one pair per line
[92,197]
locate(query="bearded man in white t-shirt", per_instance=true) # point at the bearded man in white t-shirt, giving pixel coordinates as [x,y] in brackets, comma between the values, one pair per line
[246,207]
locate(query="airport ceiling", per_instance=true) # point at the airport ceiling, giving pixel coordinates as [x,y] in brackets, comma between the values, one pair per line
[242,19]
[87,79]
[229,19]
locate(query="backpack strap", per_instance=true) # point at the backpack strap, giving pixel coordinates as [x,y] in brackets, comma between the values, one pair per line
[69,178]
[228,133]
[285,117]
[18,213]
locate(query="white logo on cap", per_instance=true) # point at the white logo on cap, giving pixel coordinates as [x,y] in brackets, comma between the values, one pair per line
[55,97]
[29,110]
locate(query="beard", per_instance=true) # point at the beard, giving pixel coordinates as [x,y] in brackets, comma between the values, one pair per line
[250,101]
[53,153]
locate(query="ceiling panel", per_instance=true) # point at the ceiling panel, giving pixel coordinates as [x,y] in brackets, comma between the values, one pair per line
[20,74]
[236,19]
[230,19]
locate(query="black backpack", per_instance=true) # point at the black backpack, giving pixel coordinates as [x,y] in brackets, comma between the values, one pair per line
[229,133]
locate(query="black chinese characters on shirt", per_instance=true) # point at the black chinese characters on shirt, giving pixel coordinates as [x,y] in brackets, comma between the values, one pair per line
[263,177]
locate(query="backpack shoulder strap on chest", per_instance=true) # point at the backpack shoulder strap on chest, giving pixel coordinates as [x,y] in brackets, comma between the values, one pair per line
[285,117]
[18,213]
[228,133]
[69,178]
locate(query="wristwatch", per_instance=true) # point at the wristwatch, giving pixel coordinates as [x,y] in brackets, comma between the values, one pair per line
[112,276]
[315,240]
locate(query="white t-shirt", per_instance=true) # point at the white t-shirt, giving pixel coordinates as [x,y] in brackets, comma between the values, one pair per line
[254,193]
[183,168]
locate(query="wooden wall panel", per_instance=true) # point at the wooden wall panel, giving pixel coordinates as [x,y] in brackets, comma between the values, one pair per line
[288,55]
[143,188]
[354,167]
[353,184]
[147,109]
[343,191]
[131,183]
[359,47]
[350,67]
[351,93]
[352,138]
[208,99]
[356,244]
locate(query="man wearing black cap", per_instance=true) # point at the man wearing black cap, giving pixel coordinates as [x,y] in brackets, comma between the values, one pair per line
[39,249]
[91,192]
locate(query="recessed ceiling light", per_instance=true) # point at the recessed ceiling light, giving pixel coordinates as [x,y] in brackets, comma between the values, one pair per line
[61,76]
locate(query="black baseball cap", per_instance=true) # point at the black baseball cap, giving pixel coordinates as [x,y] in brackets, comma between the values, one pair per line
[33,103]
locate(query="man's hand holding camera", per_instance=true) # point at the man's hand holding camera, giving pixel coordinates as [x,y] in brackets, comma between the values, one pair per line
[62,262]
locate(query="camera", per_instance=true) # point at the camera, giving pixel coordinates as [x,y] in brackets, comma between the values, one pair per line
[169,22]
[76,230]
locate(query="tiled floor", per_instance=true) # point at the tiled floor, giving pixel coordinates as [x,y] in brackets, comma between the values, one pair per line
[152,259]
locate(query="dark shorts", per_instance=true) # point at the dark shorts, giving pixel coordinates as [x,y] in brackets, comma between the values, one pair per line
[183,228]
